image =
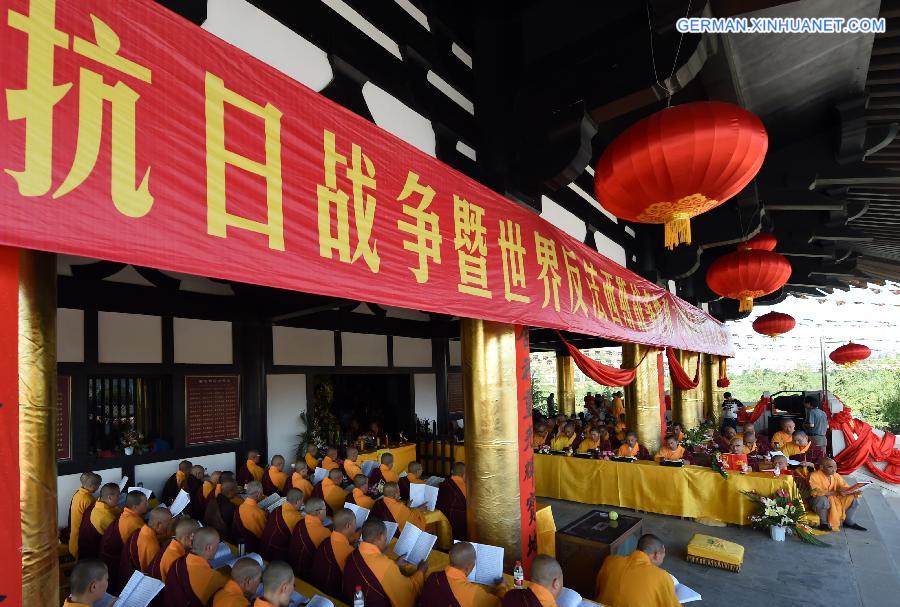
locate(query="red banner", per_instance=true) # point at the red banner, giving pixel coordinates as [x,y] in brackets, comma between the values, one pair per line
[527,497]
[132,135]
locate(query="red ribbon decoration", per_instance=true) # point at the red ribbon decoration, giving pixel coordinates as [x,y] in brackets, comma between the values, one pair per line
[600,373]
[864,446]
[679,376]
[750,418]
[723,381]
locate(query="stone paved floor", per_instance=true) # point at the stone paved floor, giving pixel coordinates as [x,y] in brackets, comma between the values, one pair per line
[859,569]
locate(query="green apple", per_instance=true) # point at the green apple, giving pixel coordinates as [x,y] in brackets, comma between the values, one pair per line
[613,515]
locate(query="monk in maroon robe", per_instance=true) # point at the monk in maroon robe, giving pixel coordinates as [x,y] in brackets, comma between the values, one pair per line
[452,501]
[276,537]
[113,541]
[191,582]
[221,510]
[451,587]
[331,556]
[142,548]
[546,584]
[88,536]
[308,534]
[176,482]
[251,470]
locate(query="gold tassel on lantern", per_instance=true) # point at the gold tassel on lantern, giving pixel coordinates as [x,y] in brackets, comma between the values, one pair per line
[678,230]
[746,304]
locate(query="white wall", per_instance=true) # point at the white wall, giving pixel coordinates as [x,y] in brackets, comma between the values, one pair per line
[309,347]
[69,335]
[363,350]
[455,353]
[129,338]
[286,399]
[154,475]
[68,484]
[412,352]
[425,385]
[202,342]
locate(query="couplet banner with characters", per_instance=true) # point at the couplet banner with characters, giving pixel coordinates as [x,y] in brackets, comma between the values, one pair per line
[132,135]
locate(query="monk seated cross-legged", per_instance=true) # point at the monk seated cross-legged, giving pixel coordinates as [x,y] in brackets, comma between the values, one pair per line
[251,470]
[546,584]
[191,582]
[275,479]
[350,467]
[631,448]
[276,537]
[308,534]
[96,518]
[246,575]
[81,501]
[391,509]
[331,555]
[636,580]
[278,586]
[115,536]
[221,510]
[88,583]
[360,494]
[413,477]
[142,548]
[299,479]
[832,499]
[312,462]
[802,450]
[452,501]
[784,436]
[384,472]
[382,581]
[177,547]
[330,461]
[250,520]
[452,587]
[330,490]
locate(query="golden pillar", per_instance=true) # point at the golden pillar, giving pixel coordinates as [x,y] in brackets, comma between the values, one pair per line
[642,397]
[490,397]
[37,436]
[565,384]
[687,405]
[712,394]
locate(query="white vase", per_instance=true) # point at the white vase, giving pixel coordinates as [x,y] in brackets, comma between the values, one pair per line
[129,450]
[777,532]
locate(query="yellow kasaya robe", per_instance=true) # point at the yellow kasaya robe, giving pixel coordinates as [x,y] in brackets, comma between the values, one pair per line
[618,406]
[587,445]
[329,464]
[402,591]
[792,449]
[298,482]
[782,438]
[278,479]
[468,593]
[626,451]
[362,499]
[333,494]
[666,453]
[351,469]
[174,551]
[80,502]
[820,483]
[255,469]
[388,474]
[311,461]
[562,442]
[404,514]
[633,581]
[252,517]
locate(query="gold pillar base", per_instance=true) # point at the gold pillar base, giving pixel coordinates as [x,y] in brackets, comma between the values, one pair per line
[712,394]
[565,384]
[687,405]
[642,396]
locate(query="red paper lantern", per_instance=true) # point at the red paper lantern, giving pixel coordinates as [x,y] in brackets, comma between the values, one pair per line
[850,354]
[678,163]
[747,274]
[774,324]
[762,242]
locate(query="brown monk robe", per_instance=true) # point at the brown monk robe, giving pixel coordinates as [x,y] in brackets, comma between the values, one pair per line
[250,520]
[275,478]
[360,494]
[330,461]
[276,537]
[390,508]
[251,470]
[224,477]
[81,501]
[807,453]
[142,548]
[308,534]
[312,462]
[246,575]
[451,587]
[191,582]
[413,477]
[176,482]
[383,583]
[299,480]
[220,512]
[203,494]
[96,519]
[350,467]
[331,555]
[384,472]
[115,536]
[783,436]
[278,586]
[637,580]
[87,583]
[452,501]
[546,584]
[177,547]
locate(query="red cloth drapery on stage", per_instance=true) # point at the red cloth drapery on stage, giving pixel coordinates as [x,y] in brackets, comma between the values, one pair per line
[723,381]
[864,446]
[760,406]
[597,371]
[679,376]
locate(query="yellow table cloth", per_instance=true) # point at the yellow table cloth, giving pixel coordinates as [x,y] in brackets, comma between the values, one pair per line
[690,491]
[546,530]
[439,525]
[403,455]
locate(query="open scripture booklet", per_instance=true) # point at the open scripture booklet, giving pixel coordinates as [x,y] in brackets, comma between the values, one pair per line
[423,494]
[138,592]
[361,513]
[221,557]
[414,544]
[367,466]
[391,529]
[143,490]
[319,475]
[569,598]
[685,594]
[271,502]
[181,501]
[488,568]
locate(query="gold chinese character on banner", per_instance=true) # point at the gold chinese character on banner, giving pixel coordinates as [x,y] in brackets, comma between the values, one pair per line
[35,103]
[512,254]
[361,174]
[609,293]
[591,273]
[573,277]
[545,250]
[427,243]
[470,242]
[218,156]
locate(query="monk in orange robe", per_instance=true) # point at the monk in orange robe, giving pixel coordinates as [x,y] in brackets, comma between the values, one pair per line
[308,534]
[452,584]
[87,583]
[671,450]
[413,477]
[312,462]
[618,405]
[360,494]
[332,492]
[737,459]
[251,470]
[246,576]
[781,438]
[331,555]
[832,498]
[275,478]
[176,482]
[96,519]
[142,547]
[178,547]
[115,536]
[276,537]
[191,581]
[631,448]
[591,443]
[565,439]
[678,431]
[350,467]
[278,586]
[384,472]
[452,501]
[539,437]
[621,429]
[330,461]
[807,453]
[637,580]
[390,508]
[81,501]
[299,480]
[250,520]
[546,584]
[380,578]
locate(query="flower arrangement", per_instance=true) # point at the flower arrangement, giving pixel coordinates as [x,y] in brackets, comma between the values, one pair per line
[717,465]
[130,438]
[697,439]
[604,454]
[543,449]
[782,510]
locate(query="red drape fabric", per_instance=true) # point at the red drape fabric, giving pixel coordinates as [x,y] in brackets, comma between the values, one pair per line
[864,447]
[723,381]
[749,418]
[679,377]
[597,371]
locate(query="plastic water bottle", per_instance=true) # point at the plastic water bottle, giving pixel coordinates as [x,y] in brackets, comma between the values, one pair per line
[358,600]
[518,577]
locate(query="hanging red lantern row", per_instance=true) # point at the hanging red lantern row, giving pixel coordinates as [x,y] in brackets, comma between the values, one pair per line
[774,324]
[749,273]
[761,242]
[850,354]
[678,163]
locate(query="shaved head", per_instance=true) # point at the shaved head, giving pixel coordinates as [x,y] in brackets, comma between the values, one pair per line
[109,490]
[360,480]
[253,488]
[336,475]
[344,519]
[544,570]
[459,469]
[387,458]
[391,490]
[414,468]
[226,475]
[159,516]
[315,505]
[352,452]
[86,572]
[204,538]
[300,465]
[135,499]
[90,480]
[245,569]
[198,471]
[252,454]
[462,556]
[653,547]
[278,460]
[185,466]
[294,496]
[276,575]
[185,529]
[373,530]
[229,488]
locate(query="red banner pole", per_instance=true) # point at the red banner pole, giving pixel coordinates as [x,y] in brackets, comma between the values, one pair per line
[527,499]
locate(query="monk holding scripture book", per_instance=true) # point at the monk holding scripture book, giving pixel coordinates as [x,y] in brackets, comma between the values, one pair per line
[833,500]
